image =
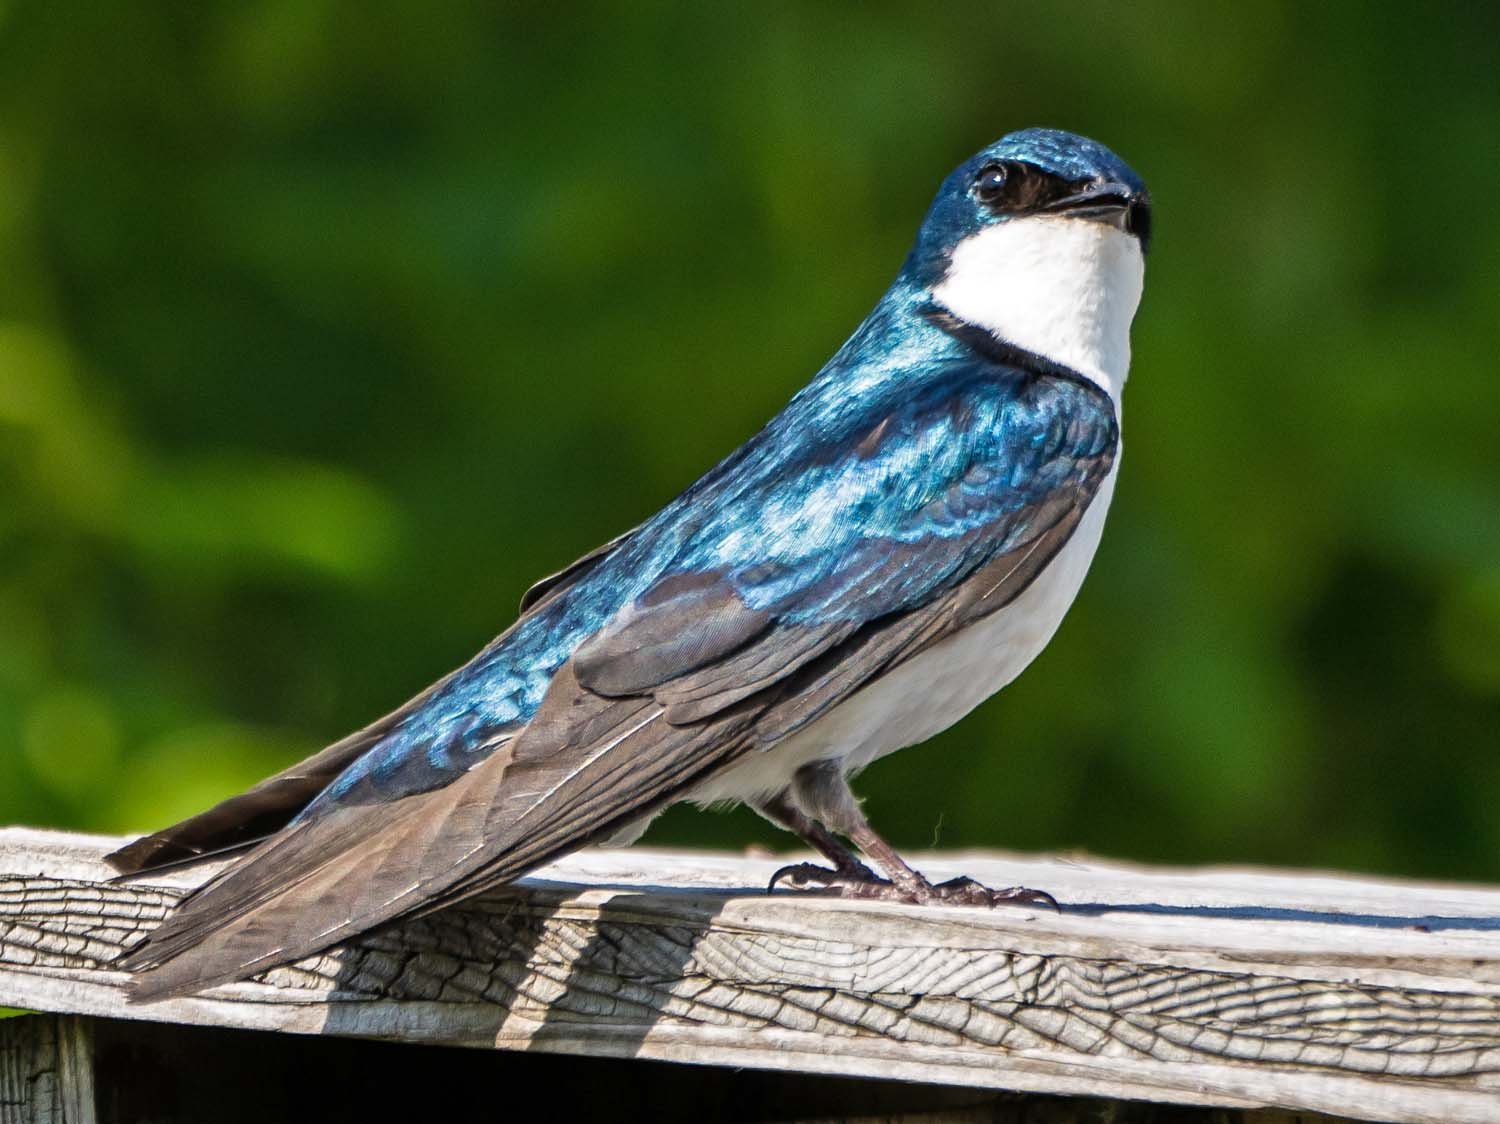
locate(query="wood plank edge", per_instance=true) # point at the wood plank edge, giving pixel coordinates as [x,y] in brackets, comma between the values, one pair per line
[260,1007]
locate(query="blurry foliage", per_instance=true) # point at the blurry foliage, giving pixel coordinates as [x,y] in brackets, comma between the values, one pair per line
[326,327]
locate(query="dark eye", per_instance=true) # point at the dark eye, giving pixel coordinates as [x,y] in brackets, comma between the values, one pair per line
[989,185]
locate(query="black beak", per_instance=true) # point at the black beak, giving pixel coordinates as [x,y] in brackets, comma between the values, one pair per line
[1113,203]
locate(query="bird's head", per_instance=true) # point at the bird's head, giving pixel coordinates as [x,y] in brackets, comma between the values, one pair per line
[1040,240]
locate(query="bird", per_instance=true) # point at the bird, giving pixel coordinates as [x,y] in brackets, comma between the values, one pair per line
[892,548]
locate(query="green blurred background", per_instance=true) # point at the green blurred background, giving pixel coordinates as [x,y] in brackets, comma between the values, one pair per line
[326,327]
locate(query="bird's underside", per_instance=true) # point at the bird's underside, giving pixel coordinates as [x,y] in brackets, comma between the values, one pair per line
[705,664]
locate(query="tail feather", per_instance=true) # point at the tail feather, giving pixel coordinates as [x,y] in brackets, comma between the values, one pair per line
[582,769]
[313,885]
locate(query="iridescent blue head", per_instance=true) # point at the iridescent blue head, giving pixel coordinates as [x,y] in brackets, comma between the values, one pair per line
[1040,239]
[1032,172]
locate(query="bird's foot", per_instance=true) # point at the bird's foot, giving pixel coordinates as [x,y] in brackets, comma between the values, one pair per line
[966,891]
[852,880]
[861,883]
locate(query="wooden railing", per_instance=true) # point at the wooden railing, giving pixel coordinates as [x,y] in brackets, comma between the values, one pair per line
[1365,999]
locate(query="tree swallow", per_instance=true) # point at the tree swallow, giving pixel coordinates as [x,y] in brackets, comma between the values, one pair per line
[892,548]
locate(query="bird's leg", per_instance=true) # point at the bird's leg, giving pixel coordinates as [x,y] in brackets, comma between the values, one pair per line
[822,789]
[781,810]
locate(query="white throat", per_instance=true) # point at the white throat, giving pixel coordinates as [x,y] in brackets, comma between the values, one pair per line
[1064,288]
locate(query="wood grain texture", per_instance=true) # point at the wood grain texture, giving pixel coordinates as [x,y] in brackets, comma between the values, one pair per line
[1371,1000]
[46,1071]
[30,1088]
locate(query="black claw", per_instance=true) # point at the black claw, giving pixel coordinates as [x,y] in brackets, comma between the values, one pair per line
[1020,895]
[801,875]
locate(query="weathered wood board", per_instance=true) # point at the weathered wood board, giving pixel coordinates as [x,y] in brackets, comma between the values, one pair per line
[165,1074]
[1361,998]
[46,1072]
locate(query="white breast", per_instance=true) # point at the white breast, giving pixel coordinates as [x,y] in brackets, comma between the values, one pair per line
[1066,288]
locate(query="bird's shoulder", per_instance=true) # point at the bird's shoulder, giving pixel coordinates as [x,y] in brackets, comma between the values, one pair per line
[936,453]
